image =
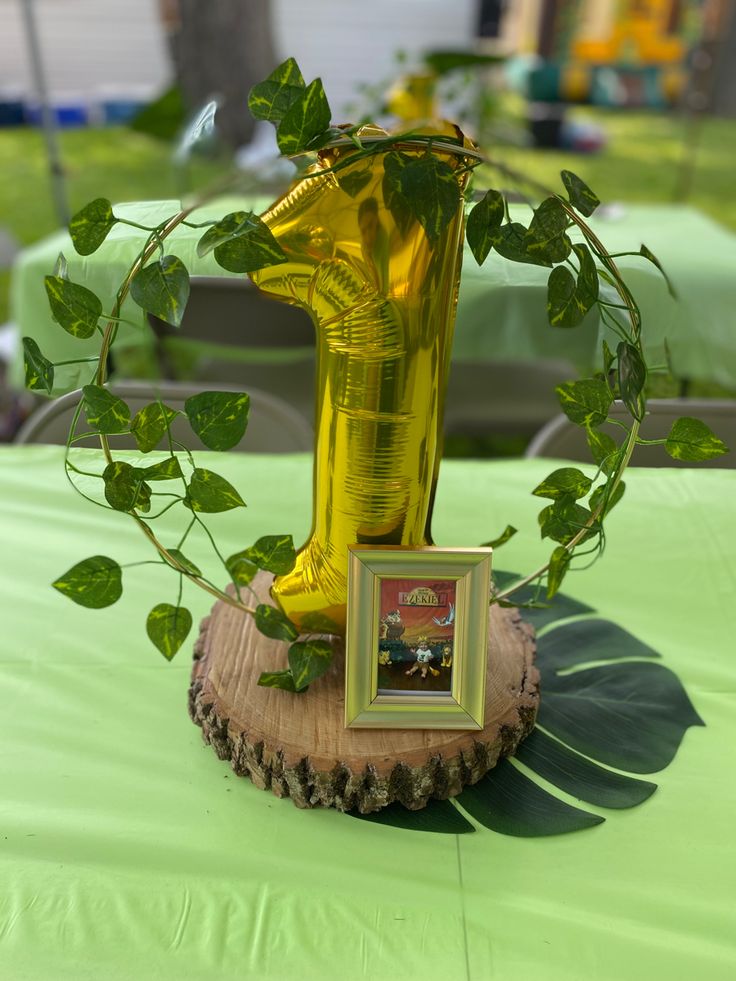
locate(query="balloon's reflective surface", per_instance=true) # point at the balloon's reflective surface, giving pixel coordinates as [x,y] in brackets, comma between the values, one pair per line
[382,297]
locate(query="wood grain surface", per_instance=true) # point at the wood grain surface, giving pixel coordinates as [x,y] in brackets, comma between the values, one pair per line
[298,746]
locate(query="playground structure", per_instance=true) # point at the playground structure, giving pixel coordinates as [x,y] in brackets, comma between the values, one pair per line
[624,53]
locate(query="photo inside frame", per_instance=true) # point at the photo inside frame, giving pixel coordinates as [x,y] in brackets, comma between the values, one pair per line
[416,636]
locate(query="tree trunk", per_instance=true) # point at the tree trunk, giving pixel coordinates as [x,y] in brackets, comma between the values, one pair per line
[220,49]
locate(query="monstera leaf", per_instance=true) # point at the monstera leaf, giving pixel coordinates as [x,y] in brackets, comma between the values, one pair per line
[606,707]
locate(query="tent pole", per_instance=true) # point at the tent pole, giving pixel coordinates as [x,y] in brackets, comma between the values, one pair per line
[48,124]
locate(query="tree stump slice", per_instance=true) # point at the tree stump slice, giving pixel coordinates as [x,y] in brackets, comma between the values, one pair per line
[297,745]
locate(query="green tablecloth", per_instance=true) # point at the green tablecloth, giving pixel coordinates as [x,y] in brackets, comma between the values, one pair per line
[502,305]
[128,851]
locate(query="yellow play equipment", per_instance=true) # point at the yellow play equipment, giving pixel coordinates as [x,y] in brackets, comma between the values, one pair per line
[639,32]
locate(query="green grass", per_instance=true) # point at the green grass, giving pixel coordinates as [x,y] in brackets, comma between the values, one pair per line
[115,163]
[642,161]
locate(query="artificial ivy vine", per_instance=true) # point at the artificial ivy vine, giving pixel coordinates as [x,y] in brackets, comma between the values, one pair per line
[583,275]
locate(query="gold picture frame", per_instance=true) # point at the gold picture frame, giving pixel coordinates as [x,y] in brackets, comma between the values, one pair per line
[417,637]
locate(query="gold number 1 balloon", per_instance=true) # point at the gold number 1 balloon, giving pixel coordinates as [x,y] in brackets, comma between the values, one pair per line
[382,296]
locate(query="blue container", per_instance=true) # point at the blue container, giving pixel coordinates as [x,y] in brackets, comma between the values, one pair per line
[11,112]
[66,115]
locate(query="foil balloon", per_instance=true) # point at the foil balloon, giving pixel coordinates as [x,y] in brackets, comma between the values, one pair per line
[382,296]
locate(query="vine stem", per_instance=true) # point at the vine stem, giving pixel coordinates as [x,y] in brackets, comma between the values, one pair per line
[630,444]
[630,305]
[605,257]
[172,561]
[154,243]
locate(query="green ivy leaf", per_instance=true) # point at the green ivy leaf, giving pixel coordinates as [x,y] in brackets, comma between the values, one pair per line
[567,482]
[162,288]
[563,520]
[39,370]
[242,242]
[272,622]
[150,424]
[274,553]
[430,188]
[308,660]
[691,440]
[95,582]
[218,418]
[277,679]
[168,626]
[90,226]
[562,310]
[235,223]
[241,568]
[352,182]
[73,307]
[558,565]
[587,282]
[632,376]
[580,195]
[508,532]
[511,243]
[272,98]
[106,413]
[318,623]
[603,448]
[168,469]
[210,493]
[183,561]
[305,119]
[394,163]
[484,222]
[545,238]
[648,254]
[585,402]
[568,298]
[125,489]
[325,137]
[598,494]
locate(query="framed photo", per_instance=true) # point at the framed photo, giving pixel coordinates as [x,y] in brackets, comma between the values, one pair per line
[417,637]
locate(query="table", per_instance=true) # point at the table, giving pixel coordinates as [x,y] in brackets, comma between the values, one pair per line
[128,851]
[502,305]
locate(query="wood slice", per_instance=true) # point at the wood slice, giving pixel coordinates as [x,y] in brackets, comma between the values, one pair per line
[298,746]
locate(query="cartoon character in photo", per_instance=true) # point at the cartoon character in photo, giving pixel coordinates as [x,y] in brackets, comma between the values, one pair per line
[424,655]
[446,661]
[448,620]
[392,626]
[384,656]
